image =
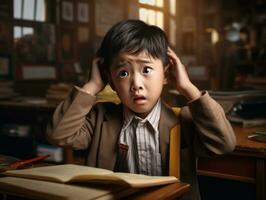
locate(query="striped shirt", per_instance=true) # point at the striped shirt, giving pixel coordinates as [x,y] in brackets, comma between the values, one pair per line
[141,139]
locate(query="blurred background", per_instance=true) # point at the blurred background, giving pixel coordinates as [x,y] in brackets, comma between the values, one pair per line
[47,46]
[221,42]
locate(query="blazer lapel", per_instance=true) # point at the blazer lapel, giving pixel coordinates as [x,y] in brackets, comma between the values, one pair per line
[109,143]
[167,121]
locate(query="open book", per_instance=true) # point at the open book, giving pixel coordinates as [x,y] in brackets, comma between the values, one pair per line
[69,173]
[45,190]
[82,182]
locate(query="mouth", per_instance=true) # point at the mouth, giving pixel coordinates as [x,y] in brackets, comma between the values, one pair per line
[139,99]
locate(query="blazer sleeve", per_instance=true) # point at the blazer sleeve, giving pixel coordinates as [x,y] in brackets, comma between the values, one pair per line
[72,123]
[204,124]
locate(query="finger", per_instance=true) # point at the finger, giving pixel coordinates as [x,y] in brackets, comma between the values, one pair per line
[178,61]
[172,60]
[172,56]
[175,58]
[171,52]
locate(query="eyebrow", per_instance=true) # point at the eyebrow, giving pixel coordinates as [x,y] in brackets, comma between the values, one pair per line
[123,62]
[143,61]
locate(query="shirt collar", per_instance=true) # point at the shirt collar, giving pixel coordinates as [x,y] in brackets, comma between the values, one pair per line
[152,118]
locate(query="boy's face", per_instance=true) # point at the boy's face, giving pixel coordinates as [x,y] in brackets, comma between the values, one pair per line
[138,81]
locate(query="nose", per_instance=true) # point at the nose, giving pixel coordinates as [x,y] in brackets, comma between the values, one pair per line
[136,83]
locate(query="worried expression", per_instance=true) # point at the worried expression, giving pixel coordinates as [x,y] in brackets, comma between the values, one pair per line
[138,81]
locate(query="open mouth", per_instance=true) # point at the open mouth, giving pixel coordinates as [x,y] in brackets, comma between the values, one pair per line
[139,98]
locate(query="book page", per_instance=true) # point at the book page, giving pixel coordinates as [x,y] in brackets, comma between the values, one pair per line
[80,174]
[56,191]
[139,180]
[130,179]
[58,173]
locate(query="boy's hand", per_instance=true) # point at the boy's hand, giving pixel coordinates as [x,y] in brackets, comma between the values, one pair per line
[95,83]
[179,77]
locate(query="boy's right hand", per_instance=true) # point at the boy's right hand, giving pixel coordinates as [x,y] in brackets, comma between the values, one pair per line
[95,83]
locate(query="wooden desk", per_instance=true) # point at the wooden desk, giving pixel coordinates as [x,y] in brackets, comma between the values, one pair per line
[27,103]
[247,163]
[29,113]
[171,191]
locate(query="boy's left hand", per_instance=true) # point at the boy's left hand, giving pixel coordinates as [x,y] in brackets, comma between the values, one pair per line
[177,75]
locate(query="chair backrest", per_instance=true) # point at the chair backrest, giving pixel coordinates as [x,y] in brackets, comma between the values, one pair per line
[175,152]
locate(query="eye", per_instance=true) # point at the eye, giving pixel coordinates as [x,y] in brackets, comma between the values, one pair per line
[123,74]
[147,70]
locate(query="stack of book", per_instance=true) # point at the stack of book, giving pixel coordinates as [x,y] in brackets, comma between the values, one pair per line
[57,92]
[7,90]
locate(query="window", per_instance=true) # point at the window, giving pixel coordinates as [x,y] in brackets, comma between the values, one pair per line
[160,13]
[22,31]
[33,10]
[172,22]
[30,10]
[32,29]
[151,11]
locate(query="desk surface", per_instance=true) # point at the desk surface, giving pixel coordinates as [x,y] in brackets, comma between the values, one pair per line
[245,145]
[27,102]
[170,191]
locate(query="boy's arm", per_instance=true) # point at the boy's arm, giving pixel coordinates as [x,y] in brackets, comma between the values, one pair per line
[73,122]
[70,125]
[204,124]
[203,121]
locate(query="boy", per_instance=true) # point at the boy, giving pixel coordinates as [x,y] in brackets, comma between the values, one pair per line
[135,59]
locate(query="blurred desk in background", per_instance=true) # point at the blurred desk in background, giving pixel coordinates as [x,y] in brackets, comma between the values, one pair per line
[246,164]
[23,125]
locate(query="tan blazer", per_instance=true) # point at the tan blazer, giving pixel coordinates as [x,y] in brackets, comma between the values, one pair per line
[205,131]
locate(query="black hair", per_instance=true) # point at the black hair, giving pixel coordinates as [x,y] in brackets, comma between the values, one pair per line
[133,37]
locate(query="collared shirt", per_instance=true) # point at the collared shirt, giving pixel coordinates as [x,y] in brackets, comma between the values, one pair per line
[141,139]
